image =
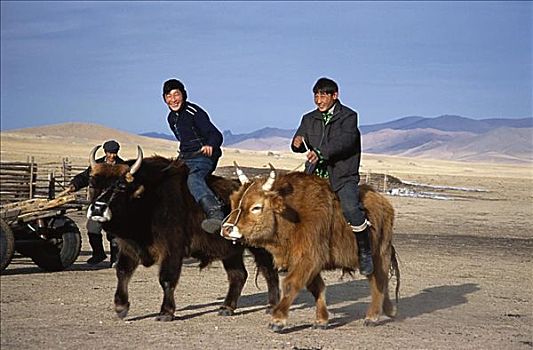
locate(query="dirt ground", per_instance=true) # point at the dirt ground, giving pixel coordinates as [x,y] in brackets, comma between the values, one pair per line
[466,283]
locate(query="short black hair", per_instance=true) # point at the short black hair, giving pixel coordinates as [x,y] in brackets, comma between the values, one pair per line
[325,85]
[174,84]
[111,146]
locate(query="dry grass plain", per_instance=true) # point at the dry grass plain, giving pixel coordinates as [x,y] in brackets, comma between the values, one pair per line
[467,272]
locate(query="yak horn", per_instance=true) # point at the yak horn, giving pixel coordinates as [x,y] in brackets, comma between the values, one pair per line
[271,178]
[92,155]
[138,162]
[242,176]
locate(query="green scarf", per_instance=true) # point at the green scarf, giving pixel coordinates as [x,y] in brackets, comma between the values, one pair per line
[321,169]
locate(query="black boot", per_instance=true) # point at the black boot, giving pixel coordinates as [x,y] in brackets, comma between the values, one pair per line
[95,240]
[366,266]
[114,252]
[213,209]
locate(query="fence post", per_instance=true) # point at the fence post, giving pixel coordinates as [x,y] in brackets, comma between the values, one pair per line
[51,185]
[64,171]
[32,172]
[385,183]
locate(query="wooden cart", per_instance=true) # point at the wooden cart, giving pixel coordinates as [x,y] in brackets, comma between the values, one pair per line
[40,230]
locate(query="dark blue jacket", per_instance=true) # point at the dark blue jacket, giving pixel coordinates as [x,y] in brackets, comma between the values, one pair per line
[339,143]
[193,129]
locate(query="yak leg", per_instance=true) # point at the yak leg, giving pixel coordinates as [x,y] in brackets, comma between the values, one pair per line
[388,307]
[237,276]
[379,280]
[125,267]
[169,274]
[265,265]
[291,286]
[317,287]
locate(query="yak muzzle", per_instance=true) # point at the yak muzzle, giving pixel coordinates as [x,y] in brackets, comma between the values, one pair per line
[230,232]
[99,211]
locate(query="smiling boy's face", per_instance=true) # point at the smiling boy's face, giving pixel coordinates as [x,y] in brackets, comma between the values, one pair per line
[174,99]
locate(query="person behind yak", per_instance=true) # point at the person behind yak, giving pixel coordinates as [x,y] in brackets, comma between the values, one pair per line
[199,148]
[330,136]
[94,228]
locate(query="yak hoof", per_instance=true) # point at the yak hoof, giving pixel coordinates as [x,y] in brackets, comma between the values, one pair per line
[276,326]
[368,322]
[269,309]
[225,311]
[164,318]
[122,311]
[320,325]
[391,311]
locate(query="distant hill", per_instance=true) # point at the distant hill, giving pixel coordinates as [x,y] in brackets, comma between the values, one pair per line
[231,139]
[444,137]
[451,123]
[86,131]
[158,135]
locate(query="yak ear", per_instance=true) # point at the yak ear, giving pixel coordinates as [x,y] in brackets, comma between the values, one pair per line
[138,192]
[285,189]
[277,202]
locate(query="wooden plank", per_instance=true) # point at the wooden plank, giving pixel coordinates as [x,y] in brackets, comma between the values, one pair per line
[15,177]
[13,163]
[14,169]
[14,185]
[38,204]
[15,172]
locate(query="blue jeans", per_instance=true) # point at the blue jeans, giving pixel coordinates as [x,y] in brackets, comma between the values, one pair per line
[199,168]
[352,208]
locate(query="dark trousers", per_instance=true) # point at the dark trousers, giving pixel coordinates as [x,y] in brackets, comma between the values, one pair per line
[95,228]
[352,208]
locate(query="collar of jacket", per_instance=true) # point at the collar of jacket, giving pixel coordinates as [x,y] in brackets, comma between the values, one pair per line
[337,108]
[182,108]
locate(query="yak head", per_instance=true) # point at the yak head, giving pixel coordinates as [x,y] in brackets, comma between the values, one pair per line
[255,208]
[111,183]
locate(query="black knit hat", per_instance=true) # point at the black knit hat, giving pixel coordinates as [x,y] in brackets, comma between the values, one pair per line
[174,84]
[111,146]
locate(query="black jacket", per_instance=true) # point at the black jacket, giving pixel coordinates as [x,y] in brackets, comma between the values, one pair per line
[82,179]
[339,143]
[193,129]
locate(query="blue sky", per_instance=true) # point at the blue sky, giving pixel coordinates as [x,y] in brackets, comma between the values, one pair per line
[253,64]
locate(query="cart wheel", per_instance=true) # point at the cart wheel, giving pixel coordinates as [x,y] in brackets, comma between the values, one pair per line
[7,244]
[64,252]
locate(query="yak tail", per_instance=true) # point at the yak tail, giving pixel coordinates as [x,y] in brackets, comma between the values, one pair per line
[395,271]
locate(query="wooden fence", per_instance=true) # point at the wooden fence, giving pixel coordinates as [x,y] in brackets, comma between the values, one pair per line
[27,180]
[381,182]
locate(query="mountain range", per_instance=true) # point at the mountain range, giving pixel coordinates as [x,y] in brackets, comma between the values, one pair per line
[445,137]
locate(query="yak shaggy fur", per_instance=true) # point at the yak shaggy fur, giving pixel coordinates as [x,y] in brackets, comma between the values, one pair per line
[156,221]
[300,221]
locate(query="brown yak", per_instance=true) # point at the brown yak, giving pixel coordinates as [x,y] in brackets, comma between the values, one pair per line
[298,219]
